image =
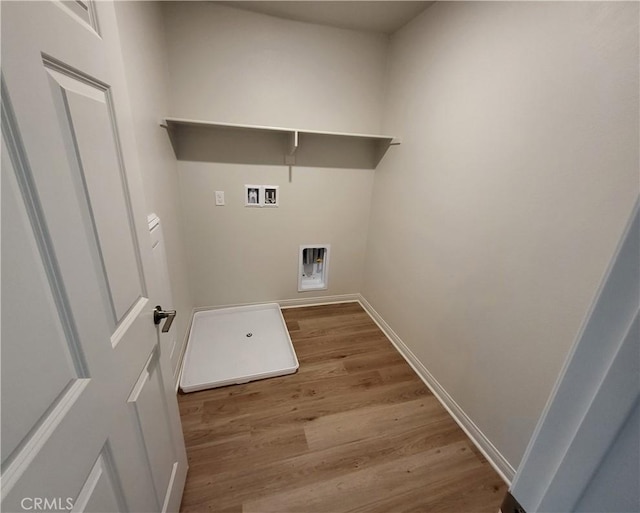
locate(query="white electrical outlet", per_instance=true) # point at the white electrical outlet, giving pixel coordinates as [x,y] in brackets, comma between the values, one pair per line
[219,198]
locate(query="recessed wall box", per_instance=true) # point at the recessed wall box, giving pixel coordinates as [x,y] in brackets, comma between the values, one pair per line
[253,195]
[313,267]
[271,195]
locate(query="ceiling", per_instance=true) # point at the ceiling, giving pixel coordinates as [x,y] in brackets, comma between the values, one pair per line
[378,16]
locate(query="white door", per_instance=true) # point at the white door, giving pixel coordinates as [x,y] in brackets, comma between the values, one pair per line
[89,415]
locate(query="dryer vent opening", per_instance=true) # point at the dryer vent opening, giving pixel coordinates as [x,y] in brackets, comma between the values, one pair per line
[313,267]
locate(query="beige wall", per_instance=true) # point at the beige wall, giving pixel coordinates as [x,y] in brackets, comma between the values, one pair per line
[240,255]
[236,66]
[144,52]
[493,223]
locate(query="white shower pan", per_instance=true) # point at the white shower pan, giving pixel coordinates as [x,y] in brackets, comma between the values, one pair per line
[237,345]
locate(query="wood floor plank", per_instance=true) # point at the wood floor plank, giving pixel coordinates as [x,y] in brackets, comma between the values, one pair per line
[353,430]
[346,492]
[378,359]
[254,449]
[315,466]
[353,321]
[274,392]
[326,348]
[373,421]
[449,493]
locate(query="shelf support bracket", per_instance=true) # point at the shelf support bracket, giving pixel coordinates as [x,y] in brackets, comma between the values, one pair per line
[293,142]
[290,157]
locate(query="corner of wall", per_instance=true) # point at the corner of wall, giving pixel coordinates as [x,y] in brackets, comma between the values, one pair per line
[501,465]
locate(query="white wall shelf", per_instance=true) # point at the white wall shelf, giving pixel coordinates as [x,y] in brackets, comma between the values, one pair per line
[253,144]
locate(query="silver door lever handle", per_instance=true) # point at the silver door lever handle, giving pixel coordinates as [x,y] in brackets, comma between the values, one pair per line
[159,314]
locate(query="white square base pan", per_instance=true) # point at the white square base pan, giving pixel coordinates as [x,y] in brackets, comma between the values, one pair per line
[237,345]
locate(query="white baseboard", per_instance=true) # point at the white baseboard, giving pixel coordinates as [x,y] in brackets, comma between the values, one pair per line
[493,456]
[292,303]
[317,301]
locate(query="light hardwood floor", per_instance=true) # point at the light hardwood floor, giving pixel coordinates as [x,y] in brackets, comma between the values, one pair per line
[354,430]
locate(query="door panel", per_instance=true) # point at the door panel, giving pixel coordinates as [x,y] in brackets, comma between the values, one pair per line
[41,359]
[50,414]
[84,11]
[154,423]
[87,115]
[77,283]
[101,491]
